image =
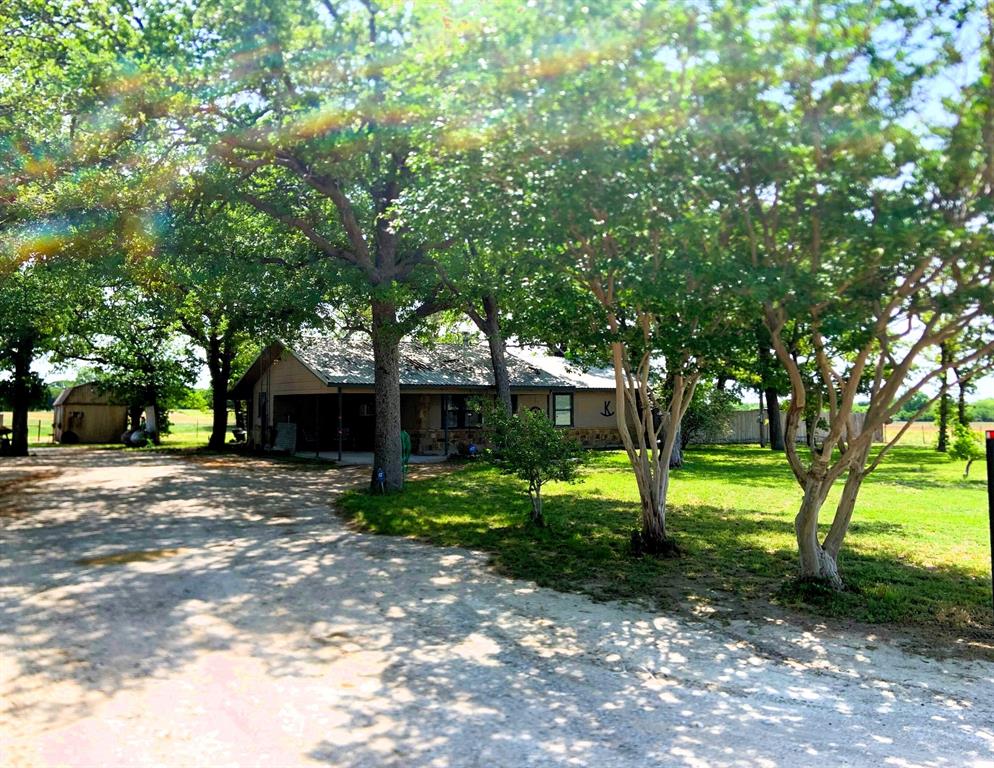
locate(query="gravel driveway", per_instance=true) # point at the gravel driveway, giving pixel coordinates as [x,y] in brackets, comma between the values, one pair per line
[165,611]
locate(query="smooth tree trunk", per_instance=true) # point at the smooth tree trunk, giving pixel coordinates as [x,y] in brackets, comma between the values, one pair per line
[640,429]
[387,455]
[21,399]
[776,425]
[816,564]
[535,495]
[845,508]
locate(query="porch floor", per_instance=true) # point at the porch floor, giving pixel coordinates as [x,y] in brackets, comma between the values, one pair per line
[365,458]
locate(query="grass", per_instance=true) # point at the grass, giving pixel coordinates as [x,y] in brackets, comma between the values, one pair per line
[917,553]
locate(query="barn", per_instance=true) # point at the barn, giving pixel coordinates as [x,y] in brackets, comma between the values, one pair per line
[82,414]
[324,388]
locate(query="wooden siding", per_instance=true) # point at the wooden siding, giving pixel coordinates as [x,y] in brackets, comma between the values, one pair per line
[745,428]
[92,423]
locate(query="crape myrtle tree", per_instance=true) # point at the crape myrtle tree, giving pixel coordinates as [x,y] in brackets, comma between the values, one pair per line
[871,248]
[321,108]
[653,276]
[621,214]
[230,276]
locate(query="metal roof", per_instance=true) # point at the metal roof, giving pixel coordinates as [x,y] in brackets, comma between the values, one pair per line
[421,365]
[337,362]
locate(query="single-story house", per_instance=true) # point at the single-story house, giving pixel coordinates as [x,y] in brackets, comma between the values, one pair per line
[83,414]
[324,387]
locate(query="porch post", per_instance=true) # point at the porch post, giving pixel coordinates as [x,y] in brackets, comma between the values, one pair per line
[339,425]
[317,426]
[445,423]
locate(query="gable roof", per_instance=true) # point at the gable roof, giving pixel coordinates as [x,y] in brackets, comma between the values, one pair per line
[84,394]
[421,365]
[340,363]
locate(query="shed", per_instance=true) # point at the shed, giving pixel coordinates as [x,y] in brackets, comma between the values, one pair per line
[83,414]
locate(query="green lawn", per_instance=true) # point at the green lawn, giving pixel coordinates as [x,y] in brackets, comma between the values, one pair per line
[917,553]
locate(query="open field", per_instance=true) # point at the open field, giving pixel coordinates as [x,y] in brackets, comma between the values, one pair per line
[190,427]
[918,550]
[926,432]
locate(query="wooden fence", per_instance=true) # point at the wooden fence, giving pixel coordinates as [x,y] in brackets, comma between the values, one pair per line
[746,425]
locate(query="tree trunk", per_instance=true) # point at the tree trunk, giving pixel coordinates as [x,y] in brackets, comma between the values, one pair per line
[21,398]
[535,494]
[676,456]
[961,399]
[135,417]
[498,357]
[654,533]
[762,436]
[219,364]
[816,563]
[943,443]
[386,358]
[776,427]
[847,504]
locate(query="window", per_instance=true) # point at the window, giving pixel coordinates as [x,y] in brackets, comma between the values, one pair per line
[562,409]
[460,412]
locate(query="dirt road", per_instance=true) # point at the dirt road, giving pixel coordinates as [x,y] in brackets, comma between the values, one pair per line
[161,611]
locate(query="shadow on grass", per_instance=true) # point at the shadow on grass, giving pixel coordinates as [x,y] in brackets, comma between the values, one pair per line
[914,467]
[729,555]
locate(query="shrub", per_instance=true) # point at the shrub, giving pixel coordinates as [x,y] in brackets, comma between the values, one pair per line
[966,446]
[709,417]
[529,446]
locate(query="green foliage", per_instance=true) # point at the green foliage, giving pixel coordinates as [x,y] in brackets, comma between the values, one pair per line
[709,416]
[38,394]
[966,445]
[530,447]
[981,410]
[910,409]
[195,399]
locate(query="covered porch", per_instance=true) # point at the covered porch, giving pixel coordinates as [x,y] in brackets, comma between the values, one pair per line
[333,422]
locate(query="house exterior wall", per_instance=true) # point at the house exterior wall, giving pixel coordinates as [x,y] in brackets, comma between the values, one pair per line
[286,376]
[590,425]
[421,409]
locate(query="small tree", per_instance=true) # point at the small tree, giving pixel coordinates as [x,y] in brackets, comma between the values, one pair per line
[709,416]
[965,446]
[529,446]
